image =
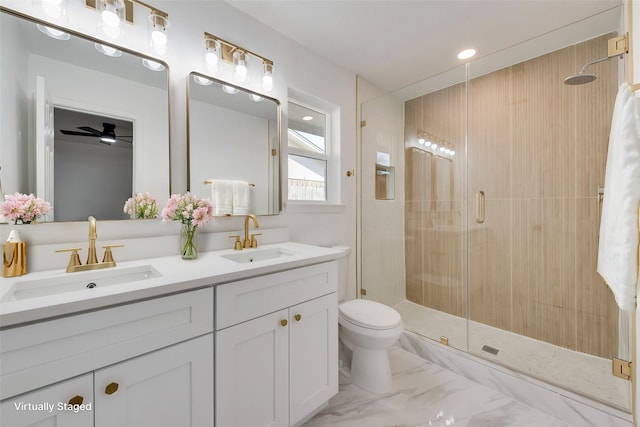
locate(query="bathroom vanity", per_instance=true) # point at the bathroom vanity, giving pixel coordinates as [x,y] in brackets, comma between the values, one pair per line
[234,338]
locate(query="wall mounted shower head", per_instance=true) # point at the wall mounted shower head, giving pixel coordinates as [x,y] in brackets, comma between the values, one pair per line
[582,77]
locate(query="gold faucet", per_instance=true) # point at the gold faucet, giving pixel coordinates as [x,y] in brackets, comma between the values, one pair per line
[92,259]
[93,236]
[250,243]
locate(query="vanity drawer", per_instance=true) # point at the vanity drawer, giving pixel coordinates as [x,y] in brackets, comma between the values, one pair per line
[42,353]
[243,300]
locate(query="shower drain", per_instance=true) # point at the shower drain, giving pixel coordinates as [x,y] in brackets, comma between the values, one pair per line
[491,350]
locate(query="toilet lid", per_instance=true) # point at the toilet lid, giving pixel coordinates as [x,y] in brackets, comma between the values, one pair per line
[369,314]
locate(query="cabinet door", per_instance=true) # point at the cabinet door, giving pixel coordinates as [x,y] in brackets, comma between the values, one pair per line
[47,407]
[252,373]
[165,388]
[313,349]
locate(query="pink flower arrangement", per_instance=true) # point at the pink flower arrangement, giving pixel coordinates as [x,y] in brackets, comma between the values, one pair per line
[141,205]
[24,207]
[188,209]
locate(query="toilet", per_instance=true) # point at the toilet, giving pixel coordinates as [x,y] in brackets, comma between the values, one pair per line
[367,329]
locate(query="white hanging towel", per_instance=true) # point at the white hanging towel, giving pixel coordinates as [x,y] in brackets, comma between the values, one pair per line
[222,196]
[241,197]
[618,244]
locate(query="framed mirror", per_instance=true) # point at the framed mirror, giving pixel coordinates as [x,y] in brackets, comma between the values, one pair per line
[79,119]
[233,137]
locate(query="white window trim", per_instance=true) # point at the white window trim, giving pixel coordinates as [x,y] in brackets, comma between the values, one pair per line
[331,156]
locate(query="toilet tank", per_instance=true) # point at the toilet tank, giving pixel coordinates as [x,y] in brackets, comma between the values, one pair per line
[343,272]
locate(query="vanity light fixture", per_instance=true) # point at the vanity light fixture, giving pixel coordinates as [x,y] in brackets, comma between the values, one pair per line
[54,33]
[217,49]
[114,12]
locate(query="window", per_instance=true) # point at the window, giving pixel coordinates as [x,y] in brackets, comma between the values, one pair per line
[308,153]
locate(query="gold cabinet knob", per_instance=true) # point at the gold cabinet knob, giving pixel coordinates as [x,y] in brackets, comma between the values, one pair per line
[76,400]
[298,317]
[111,388]
[284,322]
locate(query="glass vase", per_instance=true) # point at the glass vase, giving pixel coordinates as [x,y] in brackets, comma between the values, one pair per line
[189,241]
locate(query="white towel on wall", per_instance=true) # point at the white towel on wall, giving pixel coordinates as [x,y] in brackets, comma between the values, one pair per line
[618,244]
[241,198]
[222,196]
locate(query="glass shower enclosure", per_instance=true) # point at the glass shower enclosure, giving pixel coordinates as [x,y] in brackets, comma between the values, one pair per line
[489,240]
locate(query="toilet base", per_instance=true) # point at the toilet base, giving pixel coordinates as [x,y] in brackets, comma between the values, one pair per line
[370,370]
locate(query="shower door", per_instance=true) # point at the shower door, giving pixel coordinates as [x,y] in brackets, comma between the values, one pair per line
[536,154]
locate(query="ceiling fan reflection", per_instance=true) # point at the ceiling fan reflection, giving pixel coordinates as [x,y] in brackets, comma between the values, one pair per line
[107,135]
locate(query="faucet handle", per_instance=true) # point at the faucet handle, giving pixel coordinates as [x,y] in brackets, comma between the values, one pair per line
[254,242]
[74,259]
[237,244]
[108,255]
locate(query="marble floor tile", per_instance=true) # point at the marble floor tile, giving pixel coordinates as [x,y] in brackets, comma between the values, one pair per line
[425,394]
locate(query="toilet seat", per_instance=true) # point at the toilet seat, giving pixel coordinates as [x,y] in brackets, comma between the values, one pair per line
[369,314]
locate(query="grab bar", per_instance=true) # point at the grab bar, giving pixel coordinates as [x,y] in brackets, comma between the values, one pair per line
[480,207]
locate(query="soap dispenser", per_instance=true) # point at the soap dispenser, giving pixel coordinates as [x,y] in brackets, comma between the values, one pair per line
[14,256]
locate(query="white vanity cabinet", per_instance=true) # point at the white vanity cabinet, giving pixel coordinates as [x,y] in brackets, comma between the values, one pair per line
[29,409]
[144,363]
[276,347]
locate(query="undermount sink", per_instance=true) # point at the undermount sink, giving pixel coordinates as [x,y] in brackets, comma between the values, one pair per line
[73,282]
[256,255]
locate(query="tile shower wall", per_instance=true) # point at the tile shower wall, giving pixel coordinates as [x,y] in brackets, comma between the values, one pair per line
[537,148]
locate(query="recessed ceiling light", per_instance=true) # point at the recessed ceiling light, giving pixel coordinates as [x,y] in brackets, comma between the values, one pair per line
[466,54]
[307,118]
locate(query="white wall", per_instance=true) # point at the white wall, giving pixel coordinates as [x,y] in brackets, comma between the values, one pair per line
[294,67]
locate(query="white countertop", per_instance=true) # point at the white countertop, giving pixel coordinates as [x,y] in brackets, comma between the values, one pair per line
[177,275]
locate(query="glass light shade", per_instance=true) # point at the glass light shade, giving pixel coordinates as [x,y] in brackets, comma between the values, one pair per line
[202,81]
[229,89]
[53,33]
[255,98]
[211,59]
[108,50]
[421,141]
[240,60]
[267,82]
[54,8]
[152,65]
[158,26]
[111,15]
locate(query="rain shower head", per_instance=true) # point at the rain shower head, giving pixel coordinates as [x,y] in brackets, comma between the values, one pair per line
[582,77]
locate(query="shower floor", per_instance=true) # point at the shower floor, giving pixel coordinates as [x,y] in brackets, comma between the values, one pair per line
[579,372]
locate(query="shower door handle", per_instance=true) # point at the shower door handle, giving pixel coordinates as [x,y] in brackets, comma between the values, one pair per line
[480,207]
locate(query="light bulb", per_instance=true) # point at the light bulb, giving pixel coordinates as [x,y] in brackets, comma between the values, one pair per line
[434,145]
[110,20]
[159,42]
[158,24]
[267,82]
[421,141]
[267,77]
[240,59]
[241,73]
[255,98]
[211,59]
[53,8]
